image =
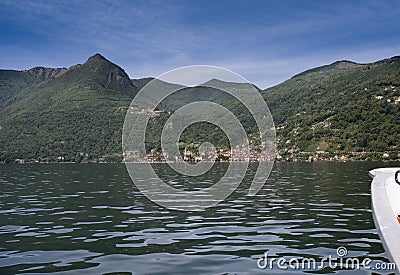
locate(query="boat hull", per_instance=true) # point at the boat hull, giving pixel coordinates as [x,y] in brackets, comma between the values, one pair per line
[385,196]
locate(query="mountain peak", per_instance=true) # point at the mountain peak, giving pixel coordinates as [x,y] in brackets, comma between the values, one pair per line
[338,65]
[97,57]
[99,72]
[216,81]
[345,64]
[221,84]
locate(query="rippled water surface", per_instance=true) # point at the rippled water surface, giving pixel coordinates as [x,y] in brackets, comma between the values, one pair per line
[90,218]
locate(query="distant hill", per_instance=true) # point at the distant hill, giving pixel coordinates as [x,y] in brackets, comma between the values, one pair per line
[340,109]
[76,114]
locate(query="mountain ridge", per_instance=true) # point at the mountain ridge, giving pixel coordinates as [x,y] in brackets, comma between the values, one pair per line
[76,114]
[349,112]
[340,64]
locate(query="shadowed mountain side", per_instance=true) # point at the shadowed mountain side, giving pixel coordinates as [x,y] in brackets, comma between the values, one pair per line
[76,114]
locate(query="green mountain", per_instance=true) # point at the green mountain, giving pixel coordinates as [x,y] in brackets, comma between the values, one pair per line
[197,133]
[73,115]
[15,85]
[77,113]
[340,109]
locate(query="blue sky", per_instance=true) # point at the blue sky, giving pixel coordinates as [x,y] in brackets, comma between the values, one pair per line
[264,41]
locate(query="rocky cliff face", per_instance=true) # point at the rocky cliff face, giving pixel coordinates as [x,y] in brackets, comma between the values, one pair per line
[46,73]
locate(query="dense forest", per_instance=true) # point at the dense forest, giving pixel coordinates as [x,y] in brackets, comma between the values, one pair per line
[343,108]
[76,114]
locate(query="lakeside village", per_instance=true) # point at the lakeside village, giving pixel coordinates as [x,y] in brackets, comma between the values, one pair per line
[223,155]
[190,153]
[254,155]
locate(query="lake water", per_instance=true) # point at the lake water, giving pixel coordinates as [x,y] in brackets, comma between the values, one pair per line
[90,218]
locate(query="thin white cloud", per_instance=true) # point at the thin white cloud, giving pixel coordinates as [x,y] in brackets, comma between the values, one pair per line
[148,38]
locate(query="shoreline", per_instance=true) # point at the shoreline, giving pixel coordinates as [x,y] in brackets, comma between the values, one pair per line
[158,162]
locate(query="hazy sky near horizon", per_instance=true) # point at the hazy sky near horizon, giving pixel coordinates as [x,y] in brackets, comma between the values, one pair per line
[264,41]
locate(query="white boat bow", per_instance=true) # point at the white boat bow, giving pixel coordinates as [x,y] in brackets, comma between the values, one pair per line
[385,194]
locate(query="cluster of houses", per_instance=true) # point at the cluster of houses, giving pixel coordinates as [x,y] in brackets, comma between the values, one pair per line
[191,153]
[395,100]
